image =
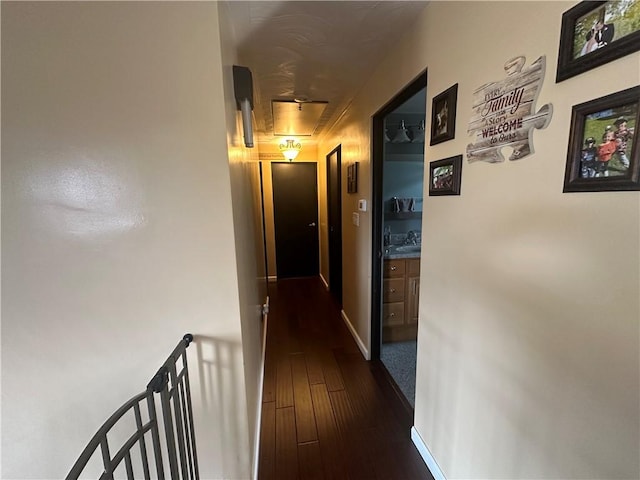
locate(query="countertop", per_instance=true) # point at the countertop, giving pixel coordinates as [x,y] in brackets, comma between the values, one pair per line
[391,252]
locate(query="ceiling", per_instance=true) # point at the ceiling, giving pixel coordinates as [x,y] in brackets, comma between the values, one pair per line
[314,51]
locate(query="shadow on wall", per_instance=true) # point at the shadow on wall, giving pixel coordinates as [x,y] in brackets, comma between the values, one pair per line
[220,409]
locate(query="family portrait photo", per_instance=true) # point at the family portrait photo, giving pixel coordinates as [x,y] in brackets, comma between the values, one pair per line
[595,33]
[608,141]
[605,25]
[445,176]
[603,150]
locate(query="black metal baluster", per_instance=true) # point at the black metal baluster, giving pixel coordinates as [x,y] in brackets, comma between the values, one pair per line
[192,437]
[143,446]
[129,466]
[165,401]
[185,426]
[177,411]
[155,435]
[106,458]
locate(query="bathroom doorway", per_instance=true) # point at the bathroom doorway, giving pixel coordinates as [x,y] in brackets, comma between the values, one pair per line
[398,171]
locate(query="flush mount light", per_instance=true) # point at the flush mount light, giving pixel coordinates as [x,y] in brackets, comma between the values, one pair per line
[290,148]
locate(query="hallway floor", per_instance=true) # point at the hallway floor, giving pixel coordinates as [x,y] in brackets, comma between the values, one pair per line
[327,413]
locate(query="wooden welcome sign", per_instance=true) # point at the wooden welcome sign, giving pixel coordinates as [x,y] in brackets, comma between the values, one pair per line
[504,113]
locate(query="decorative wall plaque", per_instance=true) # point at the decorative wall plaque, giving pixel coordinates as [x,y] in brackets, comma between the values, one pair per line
[504,113]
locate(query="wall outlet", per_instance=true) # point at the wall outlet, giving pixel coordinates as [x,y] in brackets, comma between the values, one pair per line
[355,219]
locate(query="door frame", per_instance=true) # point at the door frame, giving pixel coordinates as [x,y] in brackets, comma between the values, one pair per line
[335,254]
[377,204]
[314,224]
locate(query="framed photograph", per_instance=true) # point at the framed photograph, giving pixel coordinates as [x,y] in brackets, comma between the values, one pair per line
[603,148]
[445,175]
[443,116]
[595,33]
[352,178]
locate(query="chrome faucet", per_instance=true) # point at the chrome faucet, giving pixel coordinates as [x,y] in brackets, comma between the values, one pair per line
[412,238]
[387,236]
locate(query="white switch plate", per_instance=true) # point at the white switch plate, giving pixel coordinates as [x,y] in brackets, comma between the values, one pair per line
[362,205]
[355,219]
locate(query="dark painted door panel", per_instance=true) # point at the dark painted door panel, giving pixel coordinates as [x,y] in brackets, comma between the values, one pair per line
[295,209]
[334,198]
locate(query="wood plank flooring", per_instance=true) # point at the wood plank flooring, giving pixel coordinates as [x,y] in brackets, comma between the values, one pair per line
[327,413]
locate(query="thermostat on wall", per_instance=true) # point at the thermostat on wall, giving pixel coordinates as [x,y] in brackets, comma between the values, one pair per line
[362,205]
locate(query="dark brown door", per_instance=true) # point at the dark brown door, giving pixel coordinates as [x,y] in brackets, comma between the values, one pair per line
[334,198]
[295,210]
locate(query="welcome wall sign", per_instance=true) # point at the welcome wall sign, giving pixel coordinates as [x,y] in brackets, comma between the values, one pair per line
[504,113]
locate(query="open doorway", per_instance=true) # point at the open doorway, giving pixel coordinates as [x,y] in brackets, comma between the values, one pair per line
[398,171]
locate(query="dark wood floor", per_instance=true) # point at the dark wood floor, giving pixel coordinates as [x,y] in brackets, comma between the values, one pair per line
[327,413]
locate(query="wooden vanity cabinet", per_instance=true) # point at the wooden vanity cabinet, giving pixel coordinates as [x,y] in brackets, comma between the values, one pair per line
[400,293]
[413,290]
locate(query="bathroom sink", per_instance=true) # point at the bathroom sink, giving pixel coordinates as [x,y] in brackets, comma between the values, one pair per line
[406,249]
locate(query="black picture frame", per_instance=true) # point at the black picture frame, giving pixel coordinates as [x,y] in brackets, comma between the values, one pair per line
[352,178]
[445,176]
[594,164]
[443,115]
[577,31]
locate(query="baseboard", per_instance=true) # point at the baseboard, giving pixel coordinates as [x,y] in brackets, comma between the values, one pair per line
[256,440]
[432,465]
[272,278]
[326,284]
[356,337]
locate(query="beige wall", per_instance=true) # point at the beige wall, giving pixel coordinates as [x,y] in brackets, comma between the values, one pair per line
[352,133]
[529,311]
[118,228]
[249,243]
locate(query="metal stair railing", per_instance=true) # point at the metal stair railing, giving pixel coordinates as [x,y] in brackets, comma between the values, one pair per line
[171,385]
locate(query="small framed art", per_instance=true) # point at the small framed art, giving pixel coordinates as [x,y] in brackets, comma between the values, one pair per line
[352,178]
[603,148]
[443,116]
[445,176]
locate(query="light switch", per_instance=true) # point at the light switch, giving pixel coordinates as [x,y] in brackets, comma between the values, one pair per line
[362,205]
[355,219]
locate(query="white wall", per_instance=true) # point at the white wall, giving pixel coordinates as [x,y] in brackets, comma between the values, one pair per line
[249,240]
[117,226]
[529,315]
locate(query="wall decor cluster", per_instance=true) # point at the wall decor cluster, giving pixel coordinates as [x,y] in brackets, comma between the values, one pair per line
[603,153]
[352,178]
[595,33]
[443,115]
[445,176]
[504,113]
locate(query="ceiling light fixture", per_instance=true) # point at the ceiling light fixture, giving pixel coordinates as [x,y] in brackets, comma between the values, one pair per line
[290,148]
[401,134]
